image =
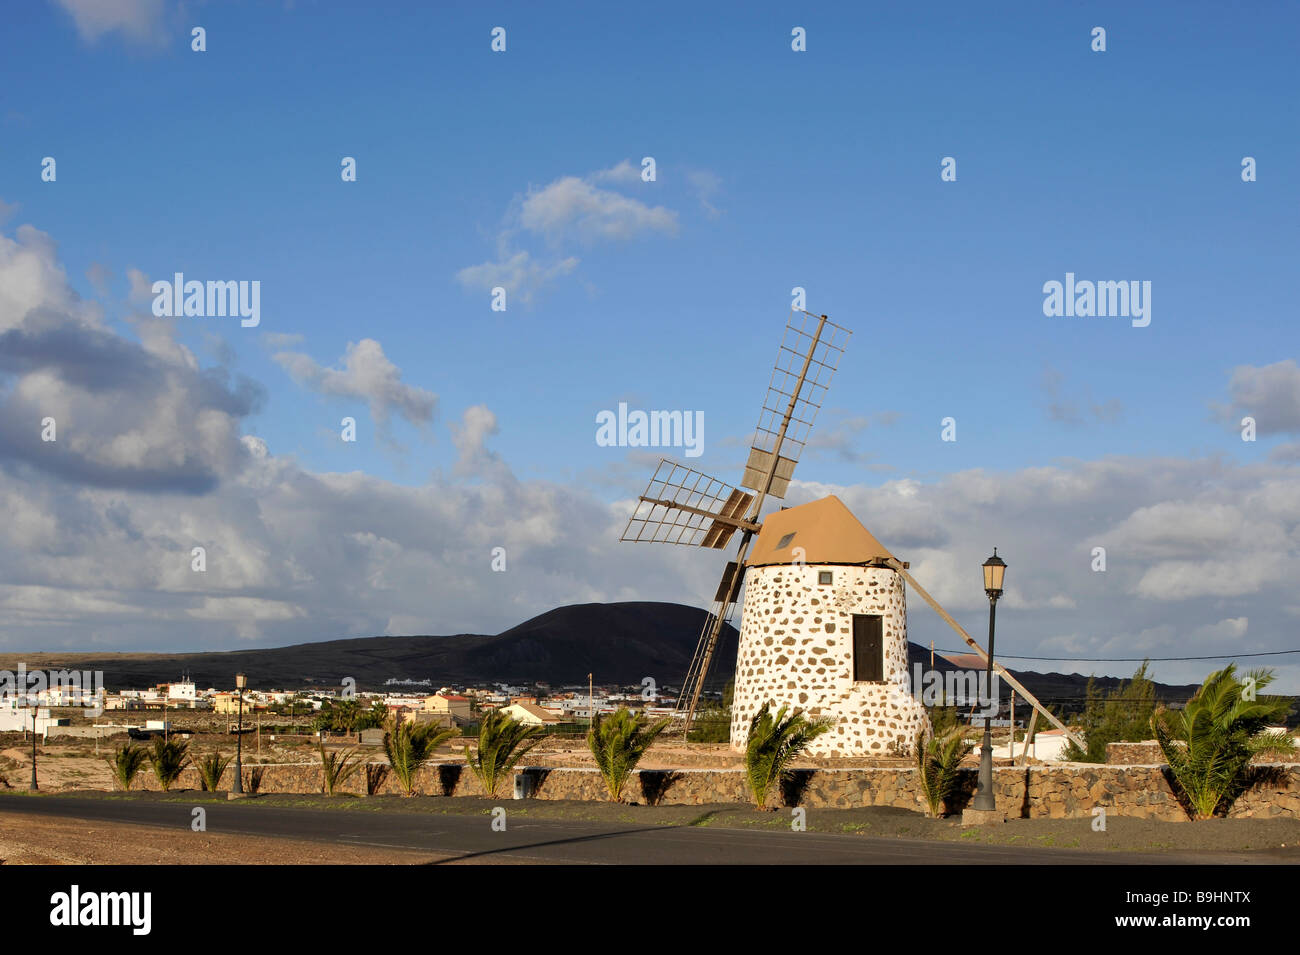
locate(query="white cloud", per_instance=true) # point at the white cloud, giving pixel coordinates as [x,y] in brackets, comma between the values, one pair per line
[366,374]
[1270,394]
[126,414]
[623,173]
[568,210]
[141,21]
[141,289]
[573,208]
[519,275]
[470,438]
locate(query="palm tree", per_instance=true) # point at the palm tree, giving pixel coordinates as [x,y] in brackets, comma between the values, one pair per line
[409,746]
[1209,745]
[168,758]
[618,743]
[376,773]
[344,715]
[502,742]
[336,767]
[773,742]
[211,768]
[128,760]
[937,758]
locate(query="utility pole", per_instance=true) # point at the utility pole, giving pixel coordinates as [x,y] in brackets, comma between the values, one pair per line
[1011,745]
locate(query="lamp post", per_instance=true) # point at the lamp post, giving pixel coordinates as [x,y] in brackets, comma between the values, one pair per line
[241,681]
[34,784]
[995,569]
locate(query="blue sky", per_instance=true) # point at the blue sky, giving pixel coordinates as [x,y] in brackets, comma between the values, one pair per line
[775,169]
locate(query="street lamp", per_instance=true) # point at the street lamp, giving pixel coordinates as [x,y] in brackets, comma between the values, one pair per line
[34,784]
[241,681]
[995,569]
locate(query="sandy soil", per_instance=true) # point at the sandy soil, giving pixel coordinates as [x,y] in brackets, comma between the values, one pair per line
[39,840]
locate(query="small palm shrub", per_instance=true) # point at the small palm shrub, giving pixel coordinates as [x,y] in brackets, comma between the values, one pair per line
[409,746]
[376,773]
[774,741]
[1209,744]
[253,779]
[168,758]
[211,768]
[337,767]
[937,759]
[618,742]
[128,760]
[502,743]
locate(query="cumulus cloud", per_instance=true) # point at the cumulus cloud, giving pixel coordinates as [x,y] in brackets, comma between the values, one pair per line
[519,274]
[470,439]
[95,551]
[125,414]
[139,21]
[1185,541]
[622,173]
[574,208]
[1270,394]
[368,375]
[140,288]
[568,210]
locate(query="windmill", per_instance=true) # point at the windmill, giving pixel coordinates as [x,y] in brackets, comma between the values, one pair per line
[683,506]
[686,507]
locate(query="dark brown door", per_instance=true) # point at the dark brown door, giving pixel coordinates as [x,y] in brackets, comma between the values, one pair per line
[868,648]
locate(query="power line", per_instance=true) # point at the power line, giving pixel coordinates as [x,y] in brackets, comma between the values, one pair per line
[1127,659]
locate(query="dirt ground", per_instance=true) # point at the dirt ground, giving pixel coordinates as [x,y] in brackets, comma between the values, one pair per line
[32,838]
[40,840]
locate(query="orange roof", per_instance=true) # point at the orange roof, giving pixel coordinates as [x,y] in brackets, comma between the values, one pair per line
[825,529]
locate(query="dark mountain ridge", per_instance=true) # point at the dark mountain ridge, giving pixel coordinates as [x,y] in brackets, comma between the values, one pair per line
[619,643]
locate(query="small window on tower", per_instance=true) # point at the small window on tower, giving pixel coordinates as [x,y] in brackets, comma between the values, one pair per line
[823,577]
[784,542]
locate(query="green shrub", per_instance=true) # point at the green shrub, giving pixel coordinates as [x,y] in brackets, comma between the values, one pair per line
[169,757]
[618,742]
[127,762]
[773,742]
[937,759]
[1121,716]
[502,743]
[337,767]
[409,746]
[211,768]
[1210,743]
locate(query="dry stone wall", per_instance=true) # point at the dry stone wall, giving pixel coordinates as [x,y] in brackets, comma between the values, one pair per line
[1069,791]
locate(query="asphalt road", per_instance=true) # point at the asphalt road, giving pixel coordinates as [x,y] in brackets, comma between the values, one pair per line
[531,840]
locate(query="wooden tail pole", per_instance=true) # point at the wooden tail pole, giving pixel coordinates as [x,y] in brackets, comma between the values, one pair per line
[1015,684]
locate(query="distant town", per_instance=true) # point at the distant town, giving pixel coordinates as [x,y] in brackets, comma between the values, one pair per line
[448,706]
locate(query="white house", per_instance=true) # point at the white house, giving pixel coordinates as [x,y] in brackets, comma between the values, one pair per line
[531,715]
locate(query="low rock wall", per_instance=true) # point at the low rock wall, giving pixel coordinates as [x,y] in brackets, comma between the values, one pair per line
[1060,791]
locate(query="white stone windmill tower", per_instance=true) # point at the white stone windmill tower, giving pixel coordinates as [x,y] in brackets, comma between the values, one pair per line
[848,663]
[823,629]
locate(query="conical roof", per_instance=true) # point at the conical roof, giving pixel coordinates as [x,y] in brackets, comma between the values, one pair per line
[825,529]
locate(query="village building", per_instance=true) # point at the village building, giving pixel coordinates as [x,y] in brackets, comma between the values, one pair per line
[531,715]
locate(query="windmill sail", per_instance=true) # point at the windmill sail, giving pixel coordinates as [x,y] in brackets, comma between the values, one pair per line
[684,506]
